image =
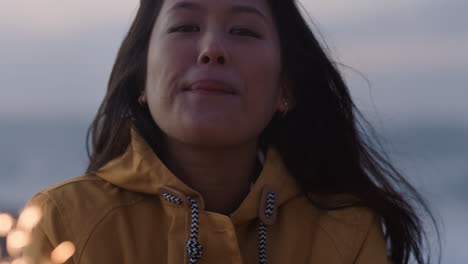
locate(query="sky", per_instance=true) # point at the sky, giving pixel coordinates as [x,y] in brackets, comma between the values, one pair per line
[402,58]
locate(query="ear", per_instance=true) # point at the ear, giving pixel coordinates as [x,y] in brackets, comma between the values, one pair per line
[142,100]
[286,99]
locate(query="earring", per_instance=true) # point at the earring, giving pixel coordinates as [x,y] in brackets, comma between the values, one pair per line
[283,108]
[142,100]
[286,105]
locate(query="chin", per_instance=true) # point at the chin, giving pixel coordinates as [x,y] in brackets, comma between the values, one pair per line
[211,136]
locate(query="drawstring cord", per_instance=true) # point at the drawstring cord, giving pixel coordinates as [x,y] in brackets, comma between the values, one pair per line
[262,229]
[195,248]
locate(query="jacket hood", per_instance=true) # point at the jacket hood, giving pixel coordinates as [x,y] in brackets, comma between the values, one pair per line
[140,170]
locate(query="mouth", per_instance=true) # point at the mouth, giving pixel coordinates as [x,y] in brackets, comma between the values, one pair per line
[211,87]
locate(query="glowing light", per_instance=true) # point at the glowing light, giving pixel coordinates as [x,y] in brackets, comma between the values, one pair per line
[29,218]
[6,223]
[62,252]
[16,240]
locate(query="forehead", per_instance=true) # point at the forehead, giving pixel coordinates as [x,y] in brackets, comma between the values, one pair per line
[258,7]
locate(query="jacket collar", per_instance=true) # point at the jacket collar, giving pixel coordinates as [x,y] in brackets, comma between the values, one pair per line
[139,169]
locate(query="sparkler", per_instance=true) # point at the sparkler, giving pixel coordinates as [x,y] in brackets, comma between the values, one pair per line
[18,236]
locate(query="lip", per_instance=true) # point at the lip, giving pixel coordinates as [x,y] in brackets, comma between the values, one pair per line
[211,86]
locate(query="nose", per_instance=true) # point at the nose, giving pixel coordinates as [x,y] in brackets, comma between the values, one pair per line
[212,51]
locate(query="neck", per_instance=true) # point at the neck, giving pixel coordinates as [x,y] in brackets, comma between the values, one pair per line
[221,175]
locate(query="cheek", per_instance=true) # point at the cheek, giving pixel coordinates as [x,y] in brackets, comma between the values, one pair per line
[261,70]
[167,62]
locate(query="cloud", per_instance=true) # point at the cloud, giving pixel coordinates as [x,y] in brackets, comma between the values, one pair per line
[337,11]
[57,55]
[52,16]
[58,15]
[61,75]
[390,54]
[388,36]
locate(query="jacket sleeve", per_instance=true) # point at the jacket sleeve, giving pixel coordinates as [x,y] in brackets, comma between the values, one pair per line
[374,248]
[48,233]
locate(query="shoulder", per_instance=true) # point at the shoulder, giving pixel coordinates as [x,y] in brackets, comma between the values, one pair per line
[347,226]
[85,190]
[348,230]
[86,194]
[356,233]
[73,207]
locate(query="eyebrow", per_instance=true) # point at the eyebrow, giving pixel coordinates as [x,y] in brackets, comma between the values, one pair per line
[232,9]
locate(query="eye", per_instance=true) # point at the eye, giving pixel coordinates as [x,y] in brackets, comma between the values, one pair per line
[184,28]
[244,32]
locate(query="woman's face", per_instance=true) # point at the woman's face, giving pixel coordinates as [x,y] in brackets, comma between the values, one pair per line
[213,71]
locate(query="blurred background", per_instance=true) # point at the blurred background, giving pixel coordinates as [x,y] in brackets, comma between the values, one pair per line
[406,63]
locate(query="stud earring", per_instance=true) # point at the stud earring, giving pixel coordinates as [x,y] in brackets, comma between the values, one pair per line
[286,105]
[142,100]
[283,108]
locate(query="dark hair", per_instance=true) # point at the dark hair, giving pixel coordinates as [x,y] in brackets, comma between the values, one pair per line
[323,139]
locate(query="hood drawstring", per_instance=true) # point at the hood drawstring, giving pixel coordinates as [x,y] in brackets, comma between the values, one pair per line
[195,248]
[262,229]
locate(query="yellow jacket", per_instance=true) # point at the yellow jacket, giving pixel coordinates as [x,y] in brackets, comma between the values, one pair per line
[134,210]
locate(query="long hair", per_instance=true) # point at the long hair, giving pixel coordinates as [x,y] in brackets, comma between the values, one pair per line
[324,140]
